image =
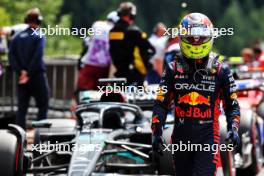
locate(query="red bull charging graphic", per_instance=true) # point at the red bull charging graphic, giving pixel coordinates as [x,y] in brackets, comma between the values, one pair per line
[194,98]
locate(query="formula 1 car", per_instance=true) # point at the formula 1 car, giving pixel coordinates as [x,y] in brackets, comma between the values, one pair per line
[107,138]
[113,137]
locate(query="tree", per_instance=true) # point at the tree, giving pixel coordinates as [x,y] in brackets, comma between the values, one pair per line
[5,17]
[233,18]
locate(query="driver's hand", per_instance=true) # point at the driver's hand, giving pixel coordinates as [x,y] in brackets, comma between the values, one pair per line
[157,144]
[233,137]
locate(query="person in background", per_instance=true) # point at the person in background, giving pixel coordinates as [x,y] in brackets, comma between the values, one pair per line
[26,59]
[3,48]
[129,48]
[247,59]
[3,42]
[158,41]
[258,53]
[85,46]
[247,55]
[95,63]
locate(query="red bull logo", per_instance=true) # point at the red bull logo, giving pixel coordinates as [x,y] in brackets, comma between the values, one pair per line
[192,112]
[155,119]
[194,98]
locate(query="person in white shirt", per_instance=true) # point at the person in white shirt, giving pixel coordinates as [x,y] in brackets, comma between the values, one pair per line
[158,40]
[97,60]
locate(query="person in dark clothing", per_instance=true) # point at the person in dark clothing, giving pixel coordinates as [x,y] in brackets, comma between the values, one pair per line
[159,41]
[196,82]
[129,48]
[26,59]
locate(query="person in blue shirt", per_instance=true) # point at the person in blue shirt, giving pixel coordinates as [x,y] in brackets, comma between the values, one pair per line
[26,59]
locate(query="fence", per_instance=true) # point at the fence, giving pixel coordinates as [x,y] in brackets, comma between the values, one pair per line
[62,75]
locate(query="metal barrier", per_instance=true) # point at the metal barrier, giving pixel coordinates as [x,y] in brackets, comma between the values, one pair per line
[62,75]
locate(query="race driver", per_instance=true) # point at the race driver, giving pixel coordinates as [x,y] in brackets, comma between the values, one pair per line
[196,82]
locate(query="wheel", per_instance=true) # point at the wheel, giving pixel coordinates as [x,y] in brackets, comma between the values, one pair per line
[9,152]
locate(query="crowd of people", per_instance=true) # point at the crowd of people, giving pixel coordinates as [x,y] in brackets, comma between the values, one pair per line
[123,51]
[122,45]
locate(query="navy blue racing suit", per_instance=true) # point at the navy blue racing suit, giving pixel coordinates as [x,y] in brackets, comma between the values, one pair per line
[195,89]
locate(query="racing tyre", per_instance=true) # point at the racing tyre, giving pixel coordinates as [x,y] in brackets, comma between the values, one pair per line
[9,151]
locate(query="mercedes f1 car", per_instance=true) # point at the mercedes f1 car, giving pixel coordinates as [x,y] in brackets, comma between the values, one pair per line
[109,137]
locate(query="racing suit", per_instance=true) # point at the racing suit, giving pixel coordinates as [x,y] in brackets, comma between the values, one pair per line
[196,88]
[130,51]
